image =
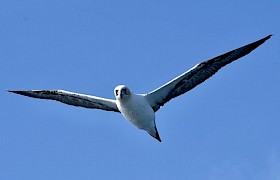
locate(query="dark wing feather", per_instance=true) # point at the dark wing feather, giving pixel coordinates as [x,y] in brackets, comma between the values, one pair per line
[71,98]
[197,75]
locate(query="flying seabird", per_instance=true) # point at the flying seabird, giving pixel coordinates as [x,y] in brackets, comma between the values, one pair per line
[139,109]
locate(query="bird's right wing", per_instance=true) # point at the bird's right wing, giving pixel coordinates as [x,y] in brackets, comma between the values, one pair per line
[71,98]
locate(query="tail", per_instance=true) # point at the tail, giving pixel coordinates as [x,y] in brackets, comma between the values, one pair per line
[156,135]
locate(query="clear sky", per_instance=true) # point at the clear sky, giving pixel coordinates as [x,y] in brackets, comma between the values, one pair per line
[226,128]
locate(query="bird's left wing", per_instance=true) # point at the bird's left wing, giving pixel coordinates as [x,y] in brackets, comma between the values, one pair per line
[197,75]
[72,98]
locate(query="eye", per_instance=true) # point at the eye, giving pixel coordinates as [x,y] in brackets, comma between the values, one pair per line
[117,92]
[123,91]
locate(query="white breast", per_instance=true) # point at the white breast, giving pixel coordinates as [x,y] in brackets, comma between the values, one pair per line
[138,111]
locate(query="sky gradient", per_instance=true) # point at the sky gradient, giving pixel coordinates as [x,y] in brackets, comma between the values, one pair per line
[225,128]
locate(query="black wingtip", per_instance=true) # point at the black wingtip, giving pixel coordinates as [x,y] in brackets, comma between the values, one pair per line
[267,37]
[12,91]
[21,92]
[255,44]
[243,51]
[259,42]
[16,92]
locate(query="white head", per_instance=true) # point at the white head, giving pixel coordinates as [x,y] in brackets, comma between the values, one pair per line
[121,92]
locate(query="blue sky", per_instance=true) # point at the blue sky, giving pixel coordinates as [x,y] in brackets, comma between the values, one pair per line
[226,128]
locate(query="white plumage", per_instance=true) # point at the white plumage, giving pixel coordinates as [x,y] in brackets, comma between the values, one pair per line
[139,109]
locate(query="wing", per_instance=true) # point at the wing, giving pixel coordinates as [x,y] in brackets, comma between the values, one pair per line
[197,75]
[71,98]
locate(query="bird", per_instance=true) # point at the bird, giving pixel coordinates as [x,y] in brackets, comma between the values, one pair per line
[140,109]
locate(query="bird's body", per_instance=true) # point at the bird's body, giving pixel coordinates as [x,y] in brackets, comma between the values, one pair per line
[139,109]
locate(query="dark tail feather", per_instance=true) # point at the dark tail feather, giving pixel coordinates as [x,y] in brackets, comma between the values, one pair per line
[157,135]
